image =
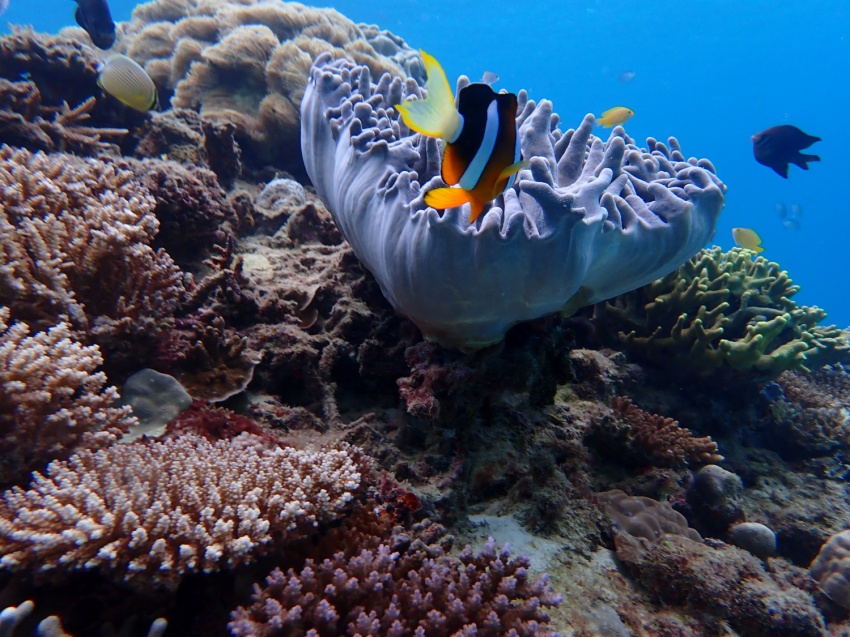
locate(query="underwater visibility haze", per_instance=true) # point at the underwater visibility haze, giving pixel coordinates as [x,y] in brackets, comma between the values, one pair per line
[434,319]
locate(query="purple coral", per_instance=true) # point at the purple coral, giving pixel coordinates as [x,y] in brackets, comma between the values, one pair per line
[384,593]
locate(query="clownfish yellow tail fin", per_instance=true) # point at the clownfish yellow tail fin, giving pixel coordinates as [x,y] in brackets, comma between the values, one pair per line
[436,115]
[442,198]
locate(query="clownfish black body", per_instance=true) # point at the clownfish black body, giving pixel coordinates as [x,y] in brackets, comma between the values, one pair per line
[482,154]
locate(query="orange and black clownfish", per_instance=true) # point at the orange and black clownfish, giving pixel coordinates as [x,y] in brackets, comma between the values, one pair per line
[482,154]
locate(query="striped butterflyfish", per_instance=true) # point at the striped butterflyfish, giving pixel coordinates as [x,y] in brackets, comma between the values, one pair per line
[482,154]
[126,81]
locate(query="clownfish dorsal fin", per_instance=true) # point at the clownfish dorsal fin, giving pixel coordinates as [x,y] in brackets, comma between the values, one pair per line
[436,115]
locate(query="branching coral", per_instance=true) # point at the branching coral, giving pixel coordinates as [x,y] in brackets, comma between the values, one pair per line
[48,90]
[75,236]
[248,63]
[152,512]
[378,593]
[52,399]
[723,311]
[644,439]
[587,220]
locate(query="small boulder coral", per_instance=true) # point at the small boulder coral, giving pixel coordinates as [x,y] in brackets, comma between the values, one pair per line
[723,310]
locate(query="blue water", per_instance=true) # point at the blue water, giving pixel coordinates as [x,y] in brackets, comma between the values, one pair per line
[709,73]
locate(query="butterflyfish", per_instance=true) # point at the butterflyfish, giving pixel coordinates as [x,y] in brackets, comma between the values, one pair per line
[127,82]
[482,154]
[94,16]
[779,146]
[748,239]
[615,116]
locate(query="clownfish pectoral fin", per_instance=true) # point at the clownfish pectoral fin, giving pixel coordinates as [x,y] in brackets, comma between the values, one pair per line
[442,198]
[435,115]
[513,169]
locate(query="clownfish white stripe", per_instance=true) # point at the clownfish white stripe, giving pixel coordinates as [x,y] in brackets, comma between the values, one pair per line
[517,157]
[476,167]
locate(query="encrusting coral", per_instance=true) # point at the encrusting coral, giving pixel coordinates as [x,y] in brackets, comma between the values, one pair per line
[586,221]
[379,593]
[52,399]
[247,63]
[723,310]
[831,569]
[151,512]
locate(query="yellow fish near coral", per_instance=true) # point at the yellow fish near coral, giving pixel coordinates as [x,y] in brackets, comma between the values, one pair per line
[127,82]
[615,116]
[482,154]
[748,239]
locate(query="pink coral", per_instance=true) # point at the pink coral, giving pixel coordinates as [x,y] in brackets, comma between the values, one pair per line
[52,400]
[151,512]
[382,593]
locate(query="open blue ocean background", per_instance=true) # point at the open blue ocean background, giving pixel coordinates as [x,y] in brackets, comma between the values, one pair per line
[709,73]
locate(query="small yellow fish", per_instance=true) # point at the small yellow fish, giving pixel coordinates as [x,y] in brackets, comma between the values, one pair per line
[615,116]
[127,82]
[748,239]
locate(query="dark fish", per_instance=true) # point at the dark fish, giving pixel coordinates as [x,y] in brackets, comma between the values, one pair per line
[781,145]
[627,76]
[95,18]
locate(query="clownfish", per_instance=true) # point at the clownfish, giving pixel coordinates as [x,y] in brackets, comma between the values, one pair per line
[482,154]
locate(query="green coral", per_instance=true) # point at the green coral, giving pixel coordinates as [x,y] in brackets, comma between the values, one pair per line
[724,309]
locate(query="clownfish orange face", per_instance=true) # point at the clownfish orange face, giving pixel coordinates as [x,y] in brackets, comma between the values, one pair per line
[482,154]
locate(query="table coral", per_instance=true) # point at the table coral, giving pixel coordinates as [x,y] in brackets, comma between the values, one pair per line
[52,399]
[153,512]
[587,220]
[248,63]
[380,592]
[723,311]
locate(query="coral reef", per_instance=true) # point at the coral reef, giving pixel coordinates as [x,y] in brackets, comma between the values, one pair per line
[640,213]
[76,237]
[151,513]
[247,64]
[754,537]
[382,592]
[643,439]
[723,311]
[724,581]
[831,569]
[52,399]
[645,518]
[810,413]
[50,97]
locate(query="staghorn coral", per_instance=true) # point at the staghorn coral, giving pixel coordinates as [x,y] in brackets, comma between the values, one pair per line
[247,63]
[75,235]
[638,213]
[380,592]
[50,97]
[52,399]
[643,439]
[150,513]
[723,311]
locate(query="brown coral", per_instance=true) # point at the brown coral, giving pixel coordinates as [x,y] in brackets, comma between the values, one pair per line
[152,512]
[246,63]
[76,234]
[52,399]
[644,439]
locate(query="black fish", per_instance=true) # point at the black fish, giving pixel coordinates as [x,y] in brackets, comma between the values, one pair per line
[781,145]
[95,18]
